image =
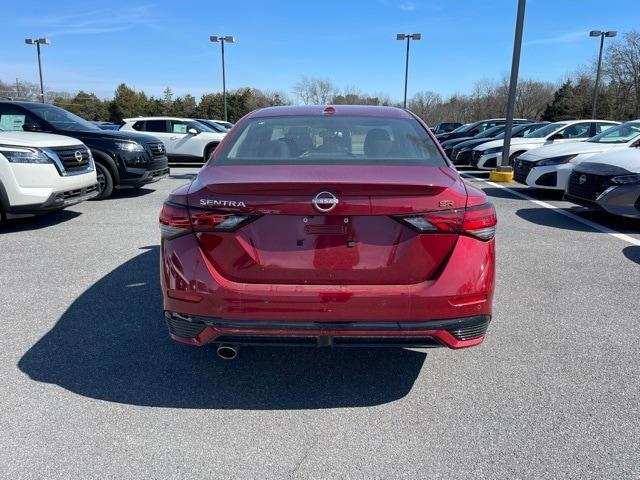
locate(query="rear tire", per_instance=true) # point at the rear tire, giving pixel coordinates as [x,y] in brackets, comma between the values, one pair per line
[105,181]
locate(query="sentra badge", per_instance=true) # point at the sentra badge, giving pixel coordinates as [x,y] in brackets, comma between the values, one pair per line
[211,202]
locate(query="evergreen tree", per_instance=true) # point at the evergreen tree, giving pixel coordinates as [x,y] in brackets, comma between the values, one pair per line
[563,105]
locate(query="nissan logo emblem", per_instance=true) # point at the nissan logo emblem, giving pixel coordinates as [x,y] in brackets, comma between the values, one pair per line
[78,156]
[325,201]
[582,179]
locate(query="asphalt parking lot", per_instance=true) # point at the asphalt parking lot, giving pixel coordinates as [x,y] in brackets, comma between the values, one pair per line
[91,386]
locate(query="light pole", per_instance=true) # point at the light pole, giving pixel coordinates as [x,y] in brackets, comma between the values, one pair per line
[408,38]
[37,42]
[222,40]
[513,85]
[601,34]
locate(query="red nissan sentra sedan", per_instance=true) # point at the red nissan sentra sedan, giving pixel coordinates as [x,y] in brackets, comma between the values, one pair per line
[328,226]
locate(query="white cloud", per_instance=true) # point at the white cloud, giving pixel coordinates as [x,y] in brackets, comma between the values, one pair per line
[407,6]
[92,22]
[566,38]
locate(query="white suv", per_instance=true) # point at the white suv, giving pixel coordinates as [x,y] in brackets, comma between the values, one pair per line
[40,172]
[185,139]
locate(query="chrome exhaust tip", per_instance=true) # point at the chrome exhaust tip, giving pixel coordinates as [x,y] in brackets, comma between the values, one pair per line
[227,352]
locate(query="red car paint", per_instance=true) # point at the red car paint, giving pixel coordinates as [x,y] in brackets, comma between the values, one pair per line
[338,272]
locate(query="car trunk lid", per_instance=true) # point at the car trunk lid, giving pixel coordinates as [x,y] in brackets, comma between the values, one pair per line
[357,240]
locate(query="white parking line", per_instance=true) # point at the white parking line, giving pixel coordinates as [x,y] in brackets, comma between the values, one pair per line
[562,211]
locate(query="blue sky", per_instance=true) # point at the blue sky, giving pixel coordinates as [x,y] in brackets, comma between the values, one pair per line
[155,44]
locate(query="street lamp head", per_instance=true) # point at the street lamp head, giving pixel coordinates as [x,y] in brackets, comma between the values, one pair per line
[611,33]
[37,41]
[401,36]
[227,39]
[416,36]
[595,33]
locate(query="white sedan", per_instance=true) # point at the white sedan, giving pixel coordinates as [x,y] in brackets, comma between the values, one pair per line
[549,167]
[485,156]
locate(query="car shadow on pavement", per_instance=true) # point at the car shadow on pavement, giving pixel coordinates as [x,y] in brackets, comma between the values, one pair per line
[128,193]
[112,344]
[183,176]
[547,218]
[536,194]
[544,217]
[36,223]
[632,253]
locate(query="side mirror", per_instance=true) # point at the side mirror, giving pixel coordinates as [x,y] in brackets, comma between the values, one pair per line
[192,131]
[556,136]
[32,127]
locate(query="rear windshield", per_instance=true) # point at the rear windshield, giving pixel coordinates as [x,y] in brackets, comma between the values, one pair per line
[545,131]
[619,134]
[340,140]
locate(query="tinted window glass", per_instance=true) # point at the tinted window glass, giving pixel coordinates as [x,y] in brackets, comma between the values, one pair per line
[464,128]
[619,133]
[201,126]
[577,130]
[524,130]
[155,126]
[490,132]
[545,131]
[60,118]
[601,127]
[331,140]
[213,126]
[138,126]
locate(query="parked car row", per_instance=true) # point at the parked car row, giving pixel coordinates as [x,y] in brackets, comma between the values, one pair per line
[595,162]
[601,172]
[485,156]
[470,130]
[460,150]
[51,158]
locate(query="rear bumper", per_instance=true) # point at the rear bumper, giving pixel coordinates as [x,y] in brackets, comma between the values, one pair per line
[452,333]
[193,288]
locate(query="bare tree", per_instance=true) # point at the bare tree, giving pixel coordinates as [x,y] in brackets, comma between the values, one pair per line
[532,97]
[622,67]
[426,105]
[315,91]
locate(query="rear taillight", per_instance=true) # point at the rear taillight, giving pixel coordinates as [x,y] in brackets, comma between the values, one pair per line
[176,220]
[479,221]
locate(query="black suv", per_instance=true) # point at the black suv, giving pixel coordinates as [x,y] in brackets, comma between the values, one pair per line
[122,159]
[445,127]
